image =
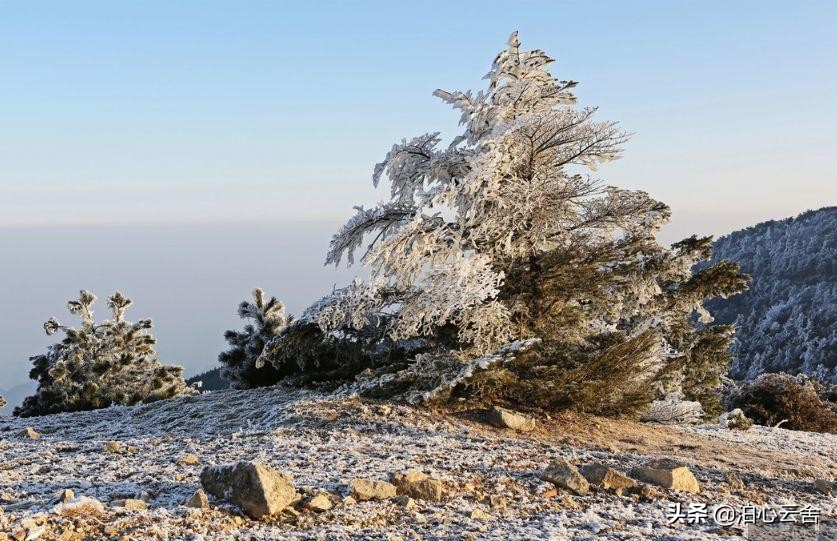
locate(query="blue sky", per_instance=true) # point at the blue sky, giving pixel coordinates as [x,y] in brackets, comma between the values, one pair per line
[272,114]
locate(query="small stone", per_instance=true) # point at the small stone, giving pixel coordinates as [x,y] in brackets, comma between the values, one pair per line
[418,485]
[648,493]
[497,502]
[479,514]
[824,486]
[30,433]
[366,489]
[65,495]
[405,501]
[667,473]
[198,500]
[733,480]
[34,533]
[607,478]
[548,493]
[131,503]
[349,500]
[504,418]
[258,490]
[319,503]
[189,460]
[564,475]
[114,447]
[568,502]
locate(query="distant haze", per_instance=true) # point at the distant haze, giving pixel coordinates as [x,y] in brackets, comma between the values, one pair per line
[188,278]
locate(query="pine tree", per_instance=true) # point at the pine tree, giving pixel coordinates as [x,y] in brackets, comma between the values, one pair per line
[266,318]
[505,235]
[100,364]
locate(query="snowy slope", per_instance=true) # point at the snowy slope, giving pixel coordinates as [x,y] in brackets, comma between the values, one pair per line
[324,442]
[787,321]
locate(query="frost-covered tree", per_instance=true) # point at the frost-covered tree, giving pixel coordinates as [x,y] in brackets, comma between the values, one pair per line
[266,317]
[2,401]
[505,234]
[98,365]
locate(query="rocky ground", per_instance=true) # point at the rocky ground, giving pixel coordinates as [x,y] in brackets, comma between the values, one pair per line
[134,472]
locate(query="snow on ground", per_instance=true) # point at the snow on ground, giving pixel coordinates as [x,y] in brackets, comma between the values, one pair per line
[324,442]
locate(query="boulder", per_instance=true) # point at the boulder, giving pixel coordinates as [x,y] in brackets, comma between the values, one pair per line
[607,478]
[198,500]
[564,475]
[417,485]
[503,418]
[366,489]
[667,473]
[257,489]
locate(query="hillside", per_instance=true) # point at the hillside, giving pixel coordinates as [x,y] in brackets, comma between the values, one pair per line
[787,321]
[491,476]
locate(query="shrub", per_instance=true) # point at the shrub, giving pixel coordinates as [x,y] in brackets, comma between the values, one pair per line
[798,402]
[735,420]
[266,317]
[100,364]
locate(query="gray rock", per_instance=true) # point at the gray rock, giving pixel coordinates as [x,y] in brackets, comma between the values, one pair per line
[257,489]
[503,418]
[564,475]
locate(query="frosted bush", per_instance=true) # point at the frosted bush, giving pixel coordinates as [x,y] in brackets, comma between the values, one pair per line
[97,365]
